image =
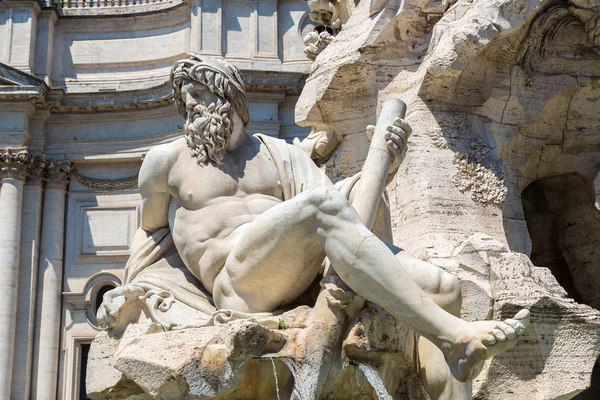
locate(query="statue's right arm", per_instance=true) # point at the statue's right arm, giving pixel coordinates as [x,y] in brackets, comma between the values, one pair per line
[152,183]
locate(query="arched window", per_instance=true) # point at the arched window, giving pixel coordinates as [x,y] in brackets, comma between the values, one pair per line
[99,296]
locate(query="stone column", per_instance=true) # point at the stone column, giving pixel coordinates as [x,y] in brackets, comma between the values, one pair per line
[28,265]
[13,170]
[49,289]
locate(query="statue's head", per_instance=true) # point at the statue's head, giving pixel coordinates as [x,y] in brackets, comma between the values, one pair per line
[210,95]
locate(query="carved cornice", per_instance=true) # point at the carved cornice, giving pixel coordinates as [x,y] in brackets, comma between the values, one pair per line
[57,173]
[93,109]
[107,184]
[14,164]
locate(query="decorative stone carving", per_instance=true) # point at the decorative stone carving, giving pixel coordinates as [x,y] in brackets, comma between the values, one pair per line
[35,174]
[329,16]
[107,184]
[14,164]
[316,42]
[485,182]
[57,172]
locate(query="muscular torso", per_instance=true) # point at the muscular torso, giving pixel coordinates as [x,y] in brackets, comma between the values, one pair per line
[210,206]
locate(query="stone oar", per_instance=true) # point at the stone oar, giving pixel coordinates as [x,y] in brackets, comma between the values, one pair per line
[377,165]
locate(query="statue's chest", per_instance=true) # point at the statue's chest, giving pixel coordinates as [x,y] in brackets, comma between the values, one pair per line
[196,187]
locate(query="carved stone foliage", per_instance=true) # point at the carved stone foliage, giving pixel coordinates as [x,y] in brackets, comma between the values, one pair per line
[107,184]
[477,174]
[476,171]
[35,173]
[14,164]
[57,172]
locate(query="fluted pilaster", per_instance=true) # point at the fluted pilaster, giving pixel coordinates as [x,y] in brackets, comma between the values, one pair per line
[50,274]
[13,172]
[31,222]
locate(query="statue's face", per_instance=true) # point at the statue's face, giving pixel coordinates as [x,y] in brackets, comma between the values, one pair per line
[194,93]
[213,127]
[210,123]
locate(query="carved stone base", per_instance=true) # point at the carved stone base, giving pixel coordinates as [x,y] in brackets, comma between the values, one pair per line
[244,360]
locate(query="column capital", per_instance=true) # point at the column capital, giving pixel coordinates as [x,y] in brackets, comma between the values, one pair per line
[36,170]
[56,173]
[14,164]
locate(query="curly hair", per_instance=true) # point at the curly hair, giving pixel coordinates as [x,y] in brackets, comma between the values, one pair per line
[207,131]
[221,78]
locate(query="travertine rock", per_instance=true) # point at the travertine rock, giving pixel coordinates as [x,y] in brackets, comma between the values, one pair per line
[242,360]
[502,97]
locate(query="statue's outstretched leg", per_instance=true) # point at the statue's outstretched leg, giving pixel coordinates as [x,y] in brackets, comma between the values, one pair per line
[444,289]
[270,260]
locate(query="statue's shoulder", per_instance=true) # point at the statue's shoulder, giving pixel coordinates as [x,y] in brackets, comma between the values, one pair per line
[159,161]
[165,153]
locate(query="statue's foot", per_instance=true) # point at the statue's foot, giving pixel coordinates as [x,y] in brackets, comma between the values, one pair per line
[481,340]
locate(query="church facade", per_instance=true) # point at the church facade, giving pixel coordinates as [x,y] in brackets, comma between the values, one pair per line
[84,94]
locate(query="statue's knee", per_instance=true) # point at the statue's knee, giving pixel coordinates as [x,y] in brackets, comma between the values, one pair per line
[316,196]
[450,290]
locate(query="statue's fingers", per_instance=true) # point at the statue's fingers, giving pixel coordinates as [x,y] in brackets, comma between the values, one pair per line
[394,148]
[401,123]
[398,141]
[509,331]
[397,131]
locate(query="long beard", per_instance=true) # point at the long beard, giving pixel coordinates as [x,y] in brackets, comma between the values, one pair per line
[207,131]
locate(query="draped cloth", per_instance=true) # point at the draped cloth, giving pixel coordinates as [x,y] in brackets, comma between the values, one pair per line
[173,297]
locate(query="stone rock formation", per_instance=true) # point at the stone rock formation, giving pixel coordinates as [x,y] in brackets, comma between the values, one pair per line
[502,97]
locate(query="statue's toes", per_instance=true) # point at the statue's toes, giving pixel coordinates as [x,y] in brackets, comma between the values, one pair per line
[524,317]
[516,325]
[499,335]
[489,340]
[509,331]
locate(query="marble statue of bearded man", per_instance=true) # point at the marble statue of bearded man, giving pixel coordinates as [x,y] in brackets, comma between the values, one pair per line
[238,226]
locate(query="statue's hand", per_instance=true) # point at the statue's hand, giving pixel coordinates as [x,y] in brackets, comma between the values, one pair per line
[113,303]
[396,137]
[397,141]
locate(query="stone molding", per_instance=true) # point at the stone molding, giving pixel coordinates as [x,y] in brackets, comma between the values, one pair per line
[107,184]
[14,164]
[56,173]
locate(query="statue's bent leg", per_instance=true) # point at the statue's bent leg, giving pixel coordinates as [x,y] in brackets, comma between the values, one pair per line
[364,262]
[274,261]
